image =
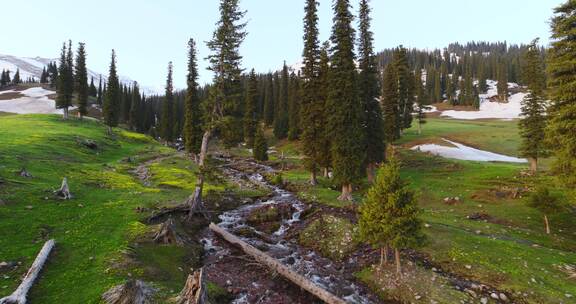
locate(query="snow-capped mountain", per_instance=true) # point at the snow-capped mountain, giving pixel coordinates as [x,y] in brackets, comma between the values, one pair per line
[32,68]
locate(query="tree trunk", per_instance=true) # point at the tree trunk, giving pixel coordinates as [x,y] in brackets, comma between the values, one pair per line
[382,256]
[346,194]
[398,266]
[195,200]
[370,172]
[547,224]
[19,295]
[533,165]
[313,179]
[65,113]
[326,173]
[386,252]
[419,128]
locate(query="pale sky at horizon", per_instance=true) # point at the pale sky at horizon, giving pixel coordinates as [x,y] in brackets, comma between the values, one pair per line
[148,34]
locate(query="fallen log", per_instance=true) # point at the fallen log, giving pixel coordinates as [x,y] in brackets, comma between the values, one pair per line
[275,265]
[19,295]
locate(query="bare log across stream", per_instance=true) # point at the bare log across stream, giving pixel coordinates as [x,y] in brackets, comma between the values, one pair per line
[19,295]
[275,265]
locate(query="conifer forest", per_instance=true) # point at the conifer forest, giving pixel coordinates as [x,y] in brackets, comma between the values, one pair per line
[352,166]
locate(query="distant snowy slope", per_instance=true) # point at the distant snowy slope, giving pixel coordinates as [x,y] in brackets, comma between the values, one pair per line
[32,67]
[492,110]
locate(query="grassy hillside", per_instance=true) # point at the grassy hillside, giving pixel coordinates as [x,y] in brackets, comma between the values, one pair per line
[507,248]
[98,228]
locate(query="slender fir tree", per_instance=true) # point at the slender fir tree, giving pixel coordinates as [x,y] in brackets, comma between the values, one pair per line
[250,114]
[92,91]
[225,63]
[313,106]
[111,106]
[502,85]
[346,111]
[533,122]
[100,96]
[192,116]
[562,88]
[369,92]
[16,79]
[260,151]
[324,141]
[81,78]
[65,87]
[405,90]
[281,119]
[390,104]
[135,109]
[294,96]
[269,101]
[166,121]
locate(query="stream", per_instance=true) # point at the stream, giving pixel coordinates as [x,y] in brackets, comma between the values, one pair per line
[323,272]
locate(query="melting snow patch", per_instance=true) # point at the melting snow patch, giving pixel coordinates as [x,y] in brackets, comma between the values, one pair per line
[492,110]
[35,101]
[462,152]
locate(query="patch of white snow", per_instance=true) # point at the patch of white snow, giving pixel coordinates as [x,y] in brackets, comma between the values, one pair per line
[462,152]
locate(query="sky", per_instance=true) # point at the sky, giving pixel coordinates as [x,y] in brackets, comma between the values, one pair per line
[147,34]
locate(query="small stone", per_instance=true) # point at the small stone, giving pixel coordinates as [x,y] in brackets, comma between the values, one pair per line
[434,269]
[3,264]
[484,300]
[45,198]
[468,266]
[80,205]
[503,297]
[228,283]
[417,297]
[91,258]
[494,296]
[568,295]
[29,207]
[478,231]
[427,225]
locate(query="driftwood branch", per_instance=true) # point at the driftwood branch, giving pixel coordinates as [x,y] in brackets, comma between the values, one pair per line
[19,295]
[275,265]
[131,292]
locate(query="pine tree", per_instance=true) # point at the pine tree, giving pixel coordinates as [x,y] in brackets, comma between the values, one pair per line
[533,122]
[281,119]
[81,79]
[135,108]
[92,91]
[111,106]
[192,116]
[312,107]
[294,96]
[166,120]
[260,151]
[269,101]
[390,104]
[389,215]
[346,111]
[562,88]
[405,90]
[16,79]
[53,74]
[324,140]
[100,96]
[223,102]
[369,92]
[502,85]
[250,118]
[65,87]
[44,76]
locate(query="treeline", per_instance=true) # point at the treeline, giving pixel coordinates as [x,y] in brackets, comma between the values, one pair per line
[6,79]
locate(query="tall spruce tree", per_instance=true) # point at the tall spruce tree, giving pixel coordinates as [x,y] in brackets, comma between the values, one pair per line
[81,79]
[111,106]
[533,122]
[16,79]
[225,63]
[260,151]
[65,86]
[502,85]
[346,111]
[294,96]
[369,92]
[269,100]
[92,91]
[405,90]
[100,97]
[281,119]
[313,106]
[166,120]
[134,119]
[250,110]
[390,104]
[324,141]
[562,89]
[192,115]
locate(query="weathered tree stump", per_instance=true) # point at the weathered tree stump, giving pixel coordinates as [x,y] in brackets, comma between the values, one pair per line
[131,292]
[64,191]
[24,173]
[19,295]
[167,234]
[194,291]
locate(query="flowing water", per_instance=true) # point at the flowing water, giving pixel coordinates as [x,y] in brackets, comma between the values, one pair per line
[321,271]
